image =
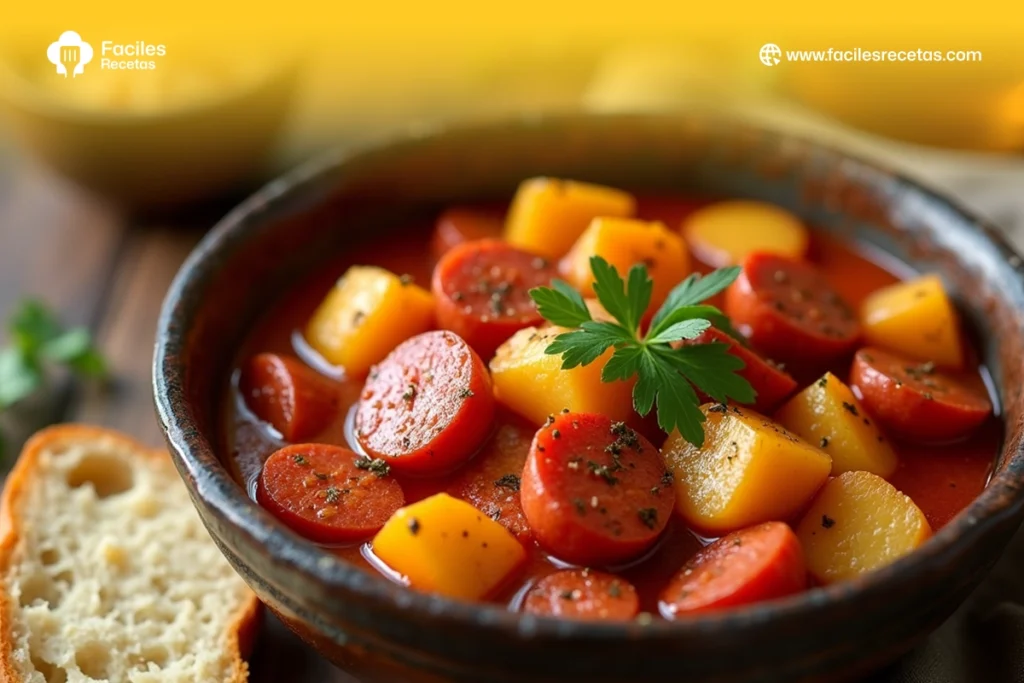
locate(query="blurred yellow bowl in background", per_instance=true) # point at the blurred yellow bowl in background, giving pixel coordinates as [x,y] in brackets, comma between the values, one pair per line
[160,138]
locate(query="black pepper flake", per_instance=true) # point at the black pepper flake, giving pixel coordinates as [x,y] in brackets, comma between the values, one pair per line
[320,475]
[852,409]
[827,522]
[377,466]
[655,490]
[823,382]
[357,318]
[581,507]
[414,526]
[602,471]
[649,516]
[508,481]
[919,372]
[405,279]
[565,411]
[332,495]
[667,479]
[300,460]
[550,421]
[555,434]
[567,595]
[615,590]
[410,392]
[466,393]
[824,442]
[718,408]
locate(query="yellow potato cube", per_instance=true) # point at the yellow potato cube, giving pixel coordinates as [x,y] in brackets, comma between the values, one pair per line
[828,415]
[749,470]
[915,318]
[547,215]
[859,522]
[369,312]
[445,545]
[623,242]
[725,233]
[533,383]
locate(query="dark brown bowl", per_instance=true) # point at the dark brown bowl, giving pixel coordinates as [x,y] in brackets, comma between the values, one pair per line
[388,633]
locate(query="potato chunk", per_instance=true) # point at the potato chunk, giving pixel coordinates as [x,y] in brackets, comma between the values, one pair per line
[445,545]
[915,318]
[623,242]
[547,215]
[725,233]
[828,415]
[857,523]
[750,470]
[368,312]
[533,383]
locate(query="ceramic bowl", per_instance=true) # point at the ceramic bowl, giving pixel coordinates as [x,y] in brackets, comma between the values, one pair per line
[158,156]
[385,632]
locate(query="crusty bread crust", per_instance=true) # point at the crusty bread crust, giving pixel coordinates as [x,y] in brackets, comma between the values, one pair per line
[245,623]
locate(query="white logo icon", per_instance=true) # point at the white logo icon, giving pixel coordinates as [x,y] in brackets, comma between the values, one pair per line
[770,54]
[69,53]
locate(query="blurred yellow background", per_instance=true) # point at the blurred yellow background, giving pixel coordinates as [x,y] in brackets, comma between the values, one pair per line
[370,67]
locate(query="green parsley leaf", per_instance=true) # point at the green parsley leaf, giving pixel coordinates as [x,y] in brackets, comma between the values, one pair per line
[666,378]
[611,292]
[580,347]
[20,376]
[684,329]
[712,369]
[560,304]
[37,337]
[692,291]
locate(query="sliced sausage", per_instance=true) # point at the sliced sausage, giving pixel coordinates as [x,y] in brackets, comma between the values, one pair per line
[427,407]
[291,397]
[482,290]
[592,490]
[747,566]
[771,382]
[789,312]
[328,493]
[461,224]
[914,400]
[491,481]
[583,594]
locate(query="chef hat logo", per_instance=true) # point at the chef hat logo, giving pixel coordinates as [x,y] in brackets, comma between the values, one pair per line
[69,51]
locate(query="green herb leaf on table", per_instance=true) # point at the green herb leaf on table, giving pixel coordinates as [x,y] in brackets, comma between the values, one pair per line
[665,377]
[37,338]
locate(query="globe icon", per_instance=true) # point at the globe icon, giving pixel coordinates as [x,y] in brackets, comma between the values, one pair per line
[770,54]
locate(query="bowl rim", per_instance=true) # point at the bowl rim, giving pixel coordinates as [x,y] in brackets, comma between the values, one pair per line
[1001,502]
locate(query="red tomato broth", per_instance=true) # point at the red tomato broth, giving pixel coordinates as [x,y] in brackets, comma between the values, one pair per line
[941,480]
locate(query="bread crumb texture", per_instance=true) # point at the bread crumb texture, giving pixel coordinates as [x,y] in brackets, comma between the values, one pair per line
[114,578]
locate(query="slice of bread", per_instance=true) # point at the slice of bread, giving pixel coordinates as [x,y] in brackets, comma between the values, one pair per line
[107,573]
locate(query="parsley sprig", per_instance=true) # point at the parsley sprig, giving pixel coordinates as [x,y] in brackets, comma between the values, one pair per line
[37,339]
[664,376]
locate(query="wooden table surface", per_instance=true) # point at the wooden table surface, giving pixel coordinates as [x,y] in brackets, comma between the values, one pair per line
[100,268]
